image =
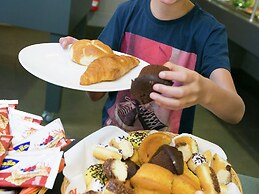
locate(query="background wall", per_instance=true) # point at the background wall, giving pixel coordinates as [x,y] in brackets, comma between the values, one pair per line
[104,13]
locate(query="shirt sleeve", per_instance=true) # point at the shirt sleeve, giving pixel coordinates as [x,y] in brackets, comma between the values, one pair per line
[215,53]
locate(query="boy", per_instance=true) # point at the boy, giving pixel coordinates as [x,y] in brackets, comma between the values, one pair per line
[188,40]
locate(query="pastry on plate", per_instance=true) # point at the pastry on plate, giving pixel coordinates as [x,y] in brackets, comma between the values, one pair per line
[108,68]
[85,51]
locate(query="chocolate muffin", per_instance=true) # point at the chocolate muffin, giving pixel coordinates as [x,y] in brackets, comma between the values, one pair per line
[142,86]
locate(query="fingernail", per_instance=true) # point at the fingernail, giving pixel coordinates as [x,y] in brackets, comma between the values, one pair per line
[152,95]
[64,44]
[162,74]
[155,87]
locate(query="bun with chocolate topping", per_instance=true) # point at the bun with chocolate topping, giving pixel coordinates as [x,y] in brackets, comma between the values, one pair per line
[142,86]
[151,144]
[170,158]
[115,169]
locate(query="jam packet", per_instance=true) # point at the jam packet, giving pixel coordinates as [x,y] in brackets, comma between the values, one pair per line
[5,142]
[30,169]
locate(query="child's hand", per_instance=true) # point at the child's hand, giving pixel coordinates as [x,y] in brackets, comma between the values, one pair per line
[65,41]
[187,91]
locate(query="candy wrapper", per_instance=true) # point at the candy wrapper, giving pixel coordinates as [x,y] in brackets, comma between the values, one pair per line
[30,169]
[5,142]
[23,124]
[52,135]
[4,121]
[22,129]
[74,171]
[20,116]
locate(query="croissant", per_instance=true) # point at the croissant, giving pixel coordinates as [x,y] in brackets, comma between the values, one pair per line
[108,68]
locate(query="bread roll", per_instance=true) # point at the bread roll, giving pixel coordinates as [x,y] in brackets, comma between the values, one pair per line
[85,51]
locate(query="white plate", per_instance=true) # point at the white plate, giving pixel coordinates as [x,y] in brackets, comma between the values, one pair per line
[51,63]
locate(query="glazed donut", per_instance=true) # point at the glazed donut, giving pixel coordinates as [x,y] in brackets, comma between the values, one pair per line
[208,179]
[104,152]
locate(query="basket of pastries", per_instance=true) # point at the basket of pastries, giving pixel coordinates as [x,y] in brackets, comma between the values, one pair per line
[111,161]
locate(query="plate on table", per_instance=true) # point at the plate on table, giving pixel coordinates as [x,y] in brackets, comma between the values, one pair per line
[53,64]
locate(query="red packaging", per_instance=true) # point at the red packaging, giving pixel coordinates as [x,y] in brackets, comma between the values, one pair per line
[5,142]
[4,121]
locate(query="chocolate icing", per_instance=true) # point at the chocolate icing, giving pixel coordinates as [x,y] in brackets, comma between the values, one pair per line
[215,181]
[132,168]
[107,168]
[118,187]
[142,86]
[170,158]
